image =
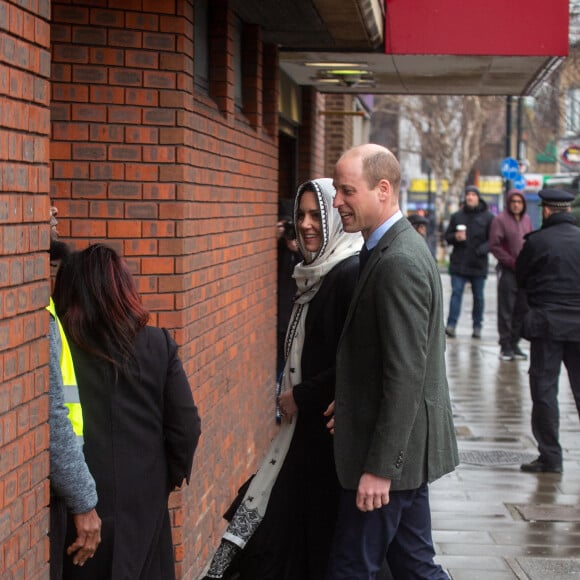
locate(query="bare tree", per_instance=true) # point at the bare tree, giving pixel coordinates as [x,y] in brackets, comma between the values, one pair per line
[449,131]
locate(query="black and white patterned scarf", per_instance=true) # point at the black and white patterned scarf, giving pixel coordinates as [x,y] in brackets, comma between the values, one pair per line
[309,274]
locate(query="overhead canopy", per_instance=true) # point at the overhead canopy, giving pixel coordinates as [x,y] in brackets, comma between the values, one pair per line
[496,47]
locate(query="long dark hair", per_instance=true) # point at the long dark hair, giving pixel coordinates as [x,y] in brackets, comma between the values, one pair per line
[99,306]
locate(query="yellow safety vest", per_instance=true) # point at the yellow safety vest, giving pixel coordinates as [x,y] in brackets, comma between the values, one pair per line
[69,380]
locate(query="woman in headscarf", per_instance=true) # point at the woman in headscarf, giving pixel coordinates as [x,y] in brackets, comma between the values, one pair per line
[140,423]
[283,527]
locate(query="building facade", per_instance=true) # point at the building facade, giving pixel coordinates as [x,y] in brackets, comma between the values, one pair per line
[161,129]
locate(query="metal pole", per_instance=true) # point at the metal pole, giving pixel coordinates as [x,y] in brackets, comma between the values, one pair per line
[519,129]
[508,127]
[508,141]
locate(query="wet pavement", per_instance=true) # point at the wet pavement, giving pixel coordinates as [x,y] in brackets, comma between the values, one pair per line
[490,520]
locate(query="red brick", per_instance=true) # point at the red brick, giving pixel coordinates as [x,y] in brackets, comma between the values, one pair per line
[135,172]
[107,56]
[141,21]
[109,18]
[89,229]
[157,266]
[153,6]
[148,135]
[142,97]
[124,229]
[105,94]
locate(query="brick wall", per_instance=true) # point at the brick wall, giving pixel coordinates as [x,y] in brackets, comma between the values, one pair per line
[185,186]
[339,128]
[24,288]
[311,136]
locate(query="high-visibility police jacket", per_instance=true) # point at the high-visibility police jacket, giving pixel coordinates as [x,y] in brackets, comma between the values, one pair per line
[71,391]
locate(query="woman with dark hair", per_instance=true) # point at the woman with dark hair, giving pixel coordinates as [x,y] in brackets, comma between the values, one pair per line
[141,426]
[283,527]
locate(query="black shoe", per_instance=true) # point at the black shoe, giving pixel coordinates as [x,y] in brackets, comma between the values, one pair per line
[519,354]
[476,332]
[450,331]
[506,354]
[538,466]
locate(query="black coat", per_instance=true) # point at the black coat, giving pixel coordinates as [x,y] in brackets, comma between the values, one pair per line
[140,437]
[548,268]
[293,541]
[470,258]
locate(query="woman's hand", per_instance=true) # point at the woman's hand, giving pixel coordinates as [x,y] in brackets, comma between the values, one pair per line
[287,405]
[330,413]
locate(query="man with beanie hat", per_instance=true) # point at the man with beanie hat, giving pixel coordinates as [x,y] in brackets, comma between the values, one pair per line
[548,269]
[506,238]
[468,233]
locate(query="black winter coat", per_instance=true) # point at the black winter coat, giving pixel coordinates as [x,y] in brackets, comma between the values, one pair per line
[293,541]
[548,268]
[470,258]
[140,436]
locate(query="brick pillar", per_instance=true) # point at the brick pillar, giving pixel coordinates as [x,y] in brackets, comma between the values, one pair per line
[339,128]
[24,288]
[185,187]
[311,136]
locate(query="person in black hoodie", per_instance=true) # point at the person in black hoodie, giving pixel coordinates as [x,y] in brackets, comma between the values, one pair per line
[468,233]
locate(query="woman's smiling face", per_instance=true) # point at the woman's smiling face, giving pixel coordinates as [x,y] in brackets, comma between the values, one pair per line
[308,222]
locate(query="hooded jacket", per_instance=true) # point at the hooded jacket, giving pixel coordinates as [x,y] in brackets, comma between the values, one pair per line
[576,209]
[506,234]
[470,258]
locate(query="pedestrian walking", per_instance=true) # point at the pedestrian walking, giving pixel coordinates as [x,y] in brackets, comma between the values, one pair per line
[468,233]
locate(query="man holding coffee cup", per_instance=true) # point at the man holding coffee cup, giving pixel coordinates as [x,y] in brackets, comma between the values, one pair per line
[468,233]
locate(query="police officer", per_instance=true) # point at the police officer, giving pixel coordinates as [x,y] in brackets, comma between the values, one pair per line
[548,268]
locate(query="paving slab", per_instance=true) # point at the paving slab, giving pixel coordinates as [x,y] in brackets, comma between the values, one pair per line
[490,520]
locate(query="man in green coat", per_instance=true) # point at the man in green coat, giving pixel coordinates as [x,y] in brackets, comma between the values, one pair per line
[393,423]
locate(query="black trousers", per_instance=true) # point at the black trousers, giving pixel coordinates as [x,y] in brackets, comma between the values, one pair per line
[57,533]
[512,306]
[399,531]
[545,362]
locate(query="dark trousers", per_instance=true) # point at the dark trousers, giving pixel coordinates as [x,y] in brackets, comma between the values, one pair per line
[57,533]
[399,531]
[546,357]
[512,306]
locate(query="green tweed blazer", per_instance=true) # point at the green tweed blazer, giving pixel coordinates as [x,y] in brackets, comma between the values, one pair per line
[393,413]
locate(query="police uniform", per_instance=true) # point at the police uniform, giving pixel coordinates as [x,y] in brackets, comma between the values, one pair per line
[548,268]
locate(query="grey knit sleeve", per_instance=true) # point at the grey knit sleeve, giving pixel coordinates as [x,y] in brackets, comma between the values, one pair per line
[69,475]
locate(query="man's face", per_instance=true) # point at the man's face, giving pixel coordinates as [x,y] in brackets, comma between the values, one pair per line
[359,207]
[53,223]
[471,199]
[422,229]
[516,205]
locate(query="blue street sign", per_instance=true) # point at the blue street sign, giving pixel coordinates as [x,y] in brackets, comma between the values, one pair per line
[510,168]
[519,182]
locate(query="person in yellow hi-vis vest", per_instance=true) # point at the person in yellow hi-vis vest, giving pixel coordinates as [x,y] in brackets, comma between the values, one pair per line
[140,422]
[72,486]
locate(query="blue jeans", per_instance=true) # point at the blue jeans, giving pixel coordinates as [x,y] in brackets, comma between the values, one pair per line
[457,286]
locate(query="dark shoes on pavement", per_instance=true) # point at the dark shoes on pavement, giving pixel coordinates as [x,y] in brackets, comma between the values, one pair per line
[538,466]
[506,354]
[450,331]
[515,353]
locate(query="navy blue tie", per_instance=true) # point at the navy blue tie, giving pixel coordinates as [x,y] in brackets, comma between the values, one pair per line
[363,258]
